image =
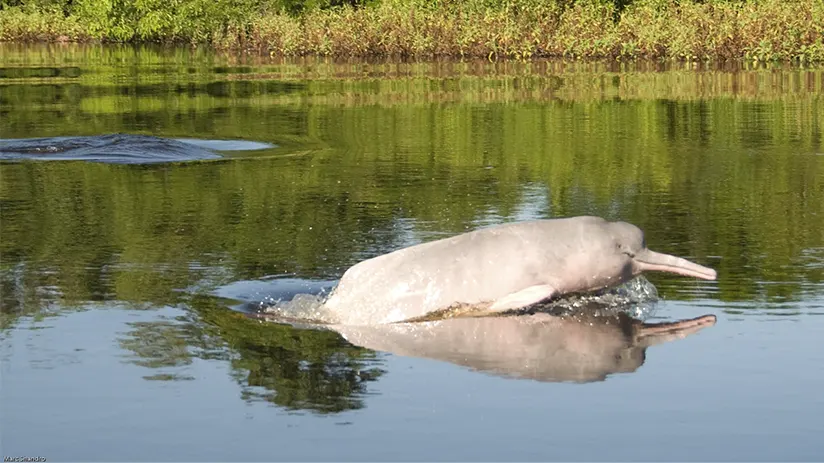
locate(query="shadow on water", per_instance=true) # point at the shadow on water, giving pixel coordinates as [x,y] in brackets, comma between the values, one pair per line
[120,149]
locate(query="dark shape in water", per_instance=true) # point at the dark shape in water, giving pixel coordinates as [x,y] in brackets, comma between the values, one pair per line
[114,148]
[581,348]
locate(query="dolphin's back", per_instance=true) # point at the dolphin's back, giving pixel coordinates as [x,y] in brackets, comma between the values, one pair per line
[472,268]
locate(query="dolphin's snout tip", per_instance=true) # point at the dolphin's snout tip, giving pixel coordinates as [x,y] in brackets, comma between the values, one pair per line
[696,270]
[710,274]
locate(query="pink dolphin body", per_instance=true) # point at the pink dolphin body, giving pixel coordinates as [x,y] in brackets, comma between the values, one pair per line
[499,269]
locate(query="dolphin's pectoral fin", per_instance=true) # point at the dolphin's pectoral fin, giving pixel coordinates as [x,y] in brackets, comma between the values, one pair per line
[522,298]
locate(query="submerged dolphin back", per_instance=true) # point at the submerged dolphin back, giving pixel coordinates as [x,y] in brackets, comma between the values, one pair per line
[112,149]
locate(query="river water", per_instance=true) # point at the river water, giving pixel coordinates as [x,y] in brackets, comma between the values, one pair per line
[128,279]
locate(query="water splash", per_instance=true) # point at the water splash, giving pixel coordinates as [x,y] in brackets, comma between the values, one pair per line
[636,298]
[303,307]
[279,295]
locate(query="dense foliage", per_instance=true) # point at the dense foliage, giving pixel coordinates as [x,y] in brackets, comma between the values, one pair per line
[686,30]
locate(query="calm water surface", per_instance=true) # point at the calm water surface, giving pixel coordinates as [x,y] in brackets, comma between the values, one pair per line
[124,286]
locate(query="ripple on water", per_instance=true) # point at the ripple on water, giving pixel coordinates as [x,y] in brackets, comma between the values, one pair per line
[121,149]
[227,145]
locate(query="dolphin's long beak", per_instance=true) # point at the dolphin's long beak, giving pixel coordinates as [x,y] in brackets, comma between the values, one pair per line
[656,261]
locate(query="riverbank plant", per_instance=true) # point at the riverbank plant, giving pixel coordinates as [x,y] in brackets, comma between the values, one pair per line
[706,30]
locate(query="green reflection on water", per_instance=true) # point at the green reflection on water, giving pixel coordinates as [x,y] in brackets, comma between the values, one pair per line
[724,166]
[297,369]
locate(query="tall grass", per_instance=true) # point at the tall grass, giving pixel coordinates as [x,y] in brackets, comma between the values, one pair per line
[763,30]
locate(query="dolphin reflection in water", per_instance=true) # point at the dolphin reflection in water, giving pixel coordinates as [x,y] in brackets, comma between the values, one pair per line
[543,347]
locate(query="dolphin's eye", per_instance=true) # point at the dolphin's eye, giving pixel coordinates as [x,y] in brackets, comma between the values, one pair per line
[623,249]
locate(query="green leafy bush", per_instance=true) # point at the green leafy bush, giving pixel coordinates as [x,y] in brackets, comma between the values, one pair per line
[692,30]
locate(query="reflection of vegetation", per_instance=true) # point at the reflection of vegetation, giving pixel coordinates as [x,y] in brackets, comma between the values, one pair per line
[297,369]
[98,82]
[721,164]
[158,344]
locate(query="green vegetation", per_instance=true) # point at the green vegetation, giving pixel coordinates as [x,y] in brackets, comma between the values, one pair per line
[691,30]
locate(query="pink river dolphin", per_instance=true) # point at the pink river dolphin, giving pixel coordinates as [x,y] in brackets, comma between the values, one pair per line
[498,269]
